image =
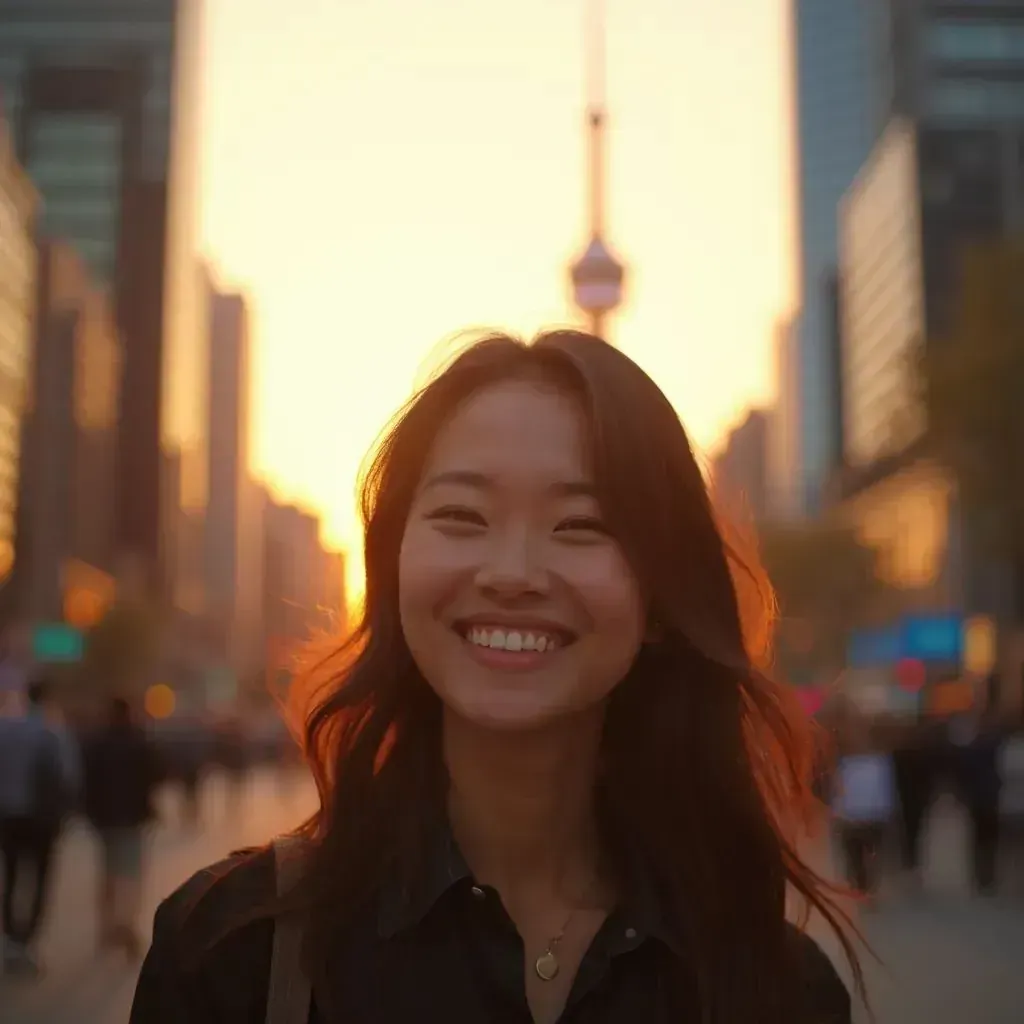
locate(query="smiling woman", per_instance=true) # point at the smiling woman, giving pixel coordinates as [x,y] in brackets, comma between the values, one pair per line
[554,783]
[506,541]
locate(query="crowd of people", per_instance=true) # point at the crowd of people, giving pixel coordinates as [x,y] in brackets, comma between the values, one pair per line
[108,773]
[67,757]
[888,775]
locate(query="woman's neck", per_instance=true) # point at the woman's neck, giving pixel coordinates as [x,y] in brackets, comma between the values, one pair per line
[521,805]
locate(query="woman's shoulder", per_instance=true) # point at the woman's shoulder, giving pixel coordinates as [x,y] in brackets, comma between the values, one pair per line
[210,942]
[218,906]
[827,994]
[228,887]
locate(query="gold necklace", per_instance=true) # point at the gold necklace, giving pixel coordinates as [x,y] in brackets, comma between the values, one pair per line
[547,965]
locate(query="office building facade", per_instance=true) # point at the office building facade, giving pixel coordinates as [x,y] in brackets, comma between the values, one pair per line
[783,442]
[17,303]
[333,603]
[67,498]
[303,585]
[740,470]
[883,299]
[292,571]
[104,98]
[931,189]
[234,531]
[947,173]
[836,120]
[958,71]
[955,63]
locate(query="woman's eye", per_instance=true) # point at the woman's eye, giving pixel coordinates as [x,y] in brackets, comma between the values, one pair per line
[581,524]
[457,515]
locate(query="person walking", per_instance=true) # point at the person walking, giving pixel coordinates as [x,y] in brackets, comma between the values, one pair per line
[121,775]
[864,803]
[40,778]
[1011,805]
[976,742]
[915,759]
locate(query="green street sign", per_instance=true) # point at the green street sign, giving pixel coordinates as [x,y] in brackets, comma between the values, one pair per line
[57,642]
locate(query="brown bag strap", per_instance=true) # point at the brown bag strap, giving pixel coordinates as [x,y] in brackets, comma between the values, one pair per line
[289,994]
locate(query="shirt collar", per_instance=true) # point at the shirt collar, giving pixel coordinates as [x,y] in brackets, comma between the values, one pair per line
[402,905]
[405,902]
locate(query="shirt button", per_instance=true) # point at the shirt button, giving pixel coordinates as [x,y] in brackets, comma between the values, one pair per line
[631,933]
[477,892]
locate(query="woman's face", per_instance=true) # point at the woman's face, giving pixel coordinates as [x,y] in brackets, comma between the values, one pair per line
[516,604]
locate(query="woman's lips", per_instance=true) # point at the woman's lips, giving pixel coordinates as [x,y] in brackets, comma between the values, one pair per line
[508,648]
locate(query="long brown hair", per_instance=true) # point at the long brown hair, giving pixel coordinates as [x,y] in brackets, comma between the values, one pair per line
[708,758]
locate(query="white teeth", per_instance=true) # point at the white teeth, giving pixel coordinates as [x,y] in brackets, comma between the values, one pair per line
[511,640]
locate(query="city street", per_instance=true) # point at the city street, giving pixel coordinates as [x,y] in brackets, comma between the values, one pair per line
[81,987]
[944,956]
[947,958]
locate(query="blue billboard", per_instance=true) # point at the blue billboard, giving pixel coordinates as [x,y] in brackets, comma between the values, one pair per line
[928,638]
[933,637]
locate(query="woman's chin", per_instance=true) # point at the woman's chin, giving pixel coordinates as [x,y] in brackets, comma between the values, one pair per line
[505,715]
[520,712]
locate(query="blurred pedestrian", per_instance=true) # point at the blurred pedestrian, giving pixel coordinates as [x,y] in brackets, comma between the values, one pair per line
[1011,805]
[12,681]
[40,779]
[121,774]
[233,753]
[863,803]
[976,742]
[915,760]
[190,752]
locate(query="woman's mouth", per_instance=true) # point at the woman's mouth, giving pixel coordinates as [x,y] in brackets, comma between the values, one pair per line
[500,646]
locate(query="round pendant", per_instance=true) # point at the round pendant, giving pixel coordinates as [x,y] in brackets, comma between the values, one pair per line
[546,966]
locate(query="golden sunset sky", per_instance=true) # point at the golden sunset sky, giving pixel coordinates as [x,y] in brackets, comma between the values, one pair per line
[379,174]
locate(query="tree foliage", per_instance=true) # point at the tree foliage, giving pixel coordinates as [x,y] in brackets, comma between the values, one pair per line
[826,582]
[121,649]
[973,381]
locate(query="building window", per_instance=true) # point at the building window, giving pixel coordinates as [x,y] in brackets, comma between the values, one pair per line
[975,41]
[85,171]
[977,98]
[136,29]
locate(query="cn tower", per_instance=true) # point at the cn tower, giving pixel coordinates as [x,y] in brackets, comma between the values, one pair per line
[597,276]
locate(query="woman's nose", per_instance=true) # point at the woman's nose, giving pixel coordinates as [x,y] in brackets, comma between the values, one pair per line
[511,568]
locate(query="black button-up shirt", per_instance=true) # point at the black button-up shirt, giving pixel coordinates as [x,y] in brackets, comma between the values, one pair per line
[447,952]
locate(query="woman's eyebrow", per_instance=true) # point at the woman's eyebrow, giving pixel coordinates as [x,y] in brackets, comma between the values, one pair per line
[483,482]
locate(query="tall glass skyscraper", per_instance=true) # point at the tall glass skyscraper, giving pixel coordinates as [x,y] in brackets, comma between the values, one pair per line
[17,300]
[837,115]
[103,97]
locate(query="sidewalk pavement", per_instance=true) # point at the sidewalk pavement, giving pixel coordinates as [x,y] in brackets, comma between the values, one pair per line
[944,955]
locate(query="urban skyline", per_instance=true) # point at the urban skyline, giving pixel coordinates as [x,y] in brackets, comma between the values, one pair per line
[403,208]
[537,116]
[89,284]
